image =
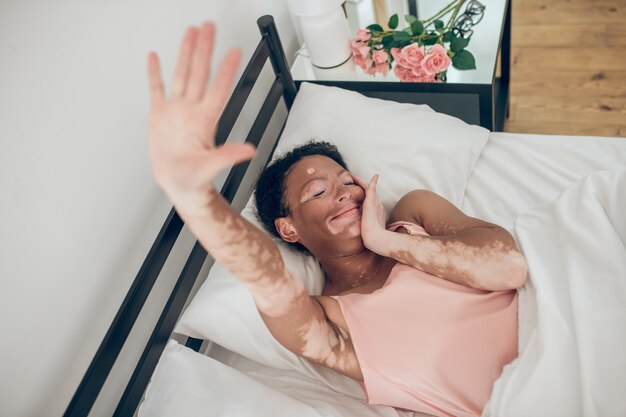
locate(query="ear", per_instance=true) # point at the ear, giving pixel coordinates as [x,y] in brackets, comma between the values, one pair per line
[286,229]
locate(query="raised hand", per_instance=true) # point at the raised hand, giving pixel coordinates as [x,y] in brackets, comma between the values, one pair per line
[373,215]
[182,127]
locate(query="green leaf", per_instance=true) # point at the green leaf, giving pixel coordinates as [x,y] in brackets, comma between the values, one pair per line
[438,24]
[408,30]
[401,36]
[410,18]
[393,21]
[399,44]
[429,41]
[463,60]
[449,36]
[417,27]
[375,27]
[387,41]
[458,44]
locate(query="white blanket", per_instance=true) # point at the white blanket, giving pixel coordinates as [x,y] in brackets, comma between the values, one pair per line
[572,310]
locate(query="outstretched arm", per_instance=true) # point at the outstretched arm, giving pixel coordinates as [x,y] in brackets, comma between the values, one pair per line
[185,162]
[460,248]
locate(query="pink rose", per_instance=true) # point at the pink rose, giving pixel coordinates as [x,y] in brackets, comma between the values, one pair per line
[436,61]
[414,74]
[382,68]
[418,71]
[396,53]
[370,70]
[414,54]
[363,61]
[363,35]
[380,56]
[403,74]
[364,50]
[359,48]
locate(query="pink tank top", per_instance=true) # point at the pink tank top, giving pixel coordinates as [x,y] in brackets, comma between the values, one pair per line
[428,344]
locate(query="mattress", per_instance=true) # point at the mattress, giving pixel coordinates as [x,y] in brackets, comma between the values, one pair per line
[514,173]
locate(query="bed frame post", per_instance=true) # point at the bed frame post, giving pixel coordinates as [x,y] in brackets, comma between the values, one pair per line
[277,56]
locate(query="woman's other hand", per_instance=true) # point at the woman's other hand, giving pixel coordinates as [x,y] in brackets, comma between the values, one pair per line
[182,127]
[373,215]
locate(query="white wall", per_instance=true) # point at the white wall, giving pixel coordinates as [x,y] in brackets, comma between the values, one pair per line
[79,207]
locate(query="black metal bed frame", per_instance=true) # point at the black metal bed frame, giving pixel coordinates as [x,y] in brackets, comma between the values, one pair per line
[106,355]
[284,87]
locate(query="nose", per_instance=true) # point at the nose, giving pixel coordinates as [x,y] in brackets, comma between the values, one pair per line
[344,193]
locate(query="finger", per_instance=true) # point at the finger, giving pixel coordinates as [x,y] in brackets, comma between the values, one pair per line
[201,66]
[231,154]
[373,182]
[184,61]
[359,182]
[154,75]
[219,90]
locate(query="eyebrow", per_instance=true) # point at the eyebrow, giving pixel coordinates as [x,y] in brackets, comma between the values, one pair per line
[340,172]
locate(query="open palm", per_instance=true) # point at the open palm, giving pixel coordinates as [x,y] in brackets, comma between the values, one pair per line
[182,127]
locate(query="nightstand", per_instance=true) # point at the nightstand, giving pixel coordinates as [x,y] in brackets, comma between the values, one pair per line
[478,96]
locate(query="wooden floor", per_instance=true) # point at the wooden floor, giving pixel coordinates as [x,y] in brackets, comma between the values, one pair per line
[568,67]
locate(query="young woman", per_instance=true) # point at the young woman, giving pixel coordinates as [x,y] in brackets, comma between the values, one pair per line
[420,307]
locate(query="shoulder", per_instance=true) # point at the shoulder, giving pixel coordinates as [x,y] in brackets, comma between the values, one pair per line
[406,208]
[437,215]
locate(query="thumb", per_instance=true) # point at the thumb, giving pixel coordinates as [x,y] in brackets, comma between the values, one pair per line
[233,153]
[225,156]
[373,183]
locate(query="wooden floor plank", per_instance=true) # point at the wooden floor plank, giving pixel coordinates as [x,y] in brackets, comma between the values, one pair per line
[568,12]
[616,34]
[547,128]
[551,35]
[568,68]
[539,58]
[580,110]
[585,83]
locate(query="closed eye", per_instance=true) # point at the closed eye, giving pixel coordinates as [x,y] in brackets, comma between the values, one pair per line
[322,192]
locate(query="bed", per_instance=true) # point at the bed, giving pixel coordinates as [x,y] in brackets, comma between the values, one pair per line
[561,197]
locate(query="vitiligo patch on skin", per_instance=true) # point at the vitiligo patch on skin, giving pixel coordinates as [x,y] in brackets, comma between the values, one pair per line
[351,225]
[281,299]
[327,344]
[310,171]
[493,266]
[262,269]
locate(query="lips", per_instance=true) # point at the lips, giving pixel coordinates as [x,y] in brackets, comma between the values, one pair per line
[345,210]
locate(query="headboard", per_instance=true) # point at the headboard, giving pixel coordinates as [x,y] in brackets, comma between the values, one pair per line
[91,384]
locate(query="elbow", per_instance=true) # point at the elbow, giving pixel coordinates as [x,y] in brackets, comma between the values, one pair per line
[516,270]
[509,274]
[521,270]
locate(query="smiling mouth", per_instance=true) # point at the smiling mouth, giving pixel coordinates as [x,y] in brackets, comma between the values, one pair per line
[346,214]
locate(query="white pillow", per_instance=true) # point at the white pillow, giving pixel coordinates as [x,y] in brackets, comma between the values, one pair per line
[186,383]
[410,146]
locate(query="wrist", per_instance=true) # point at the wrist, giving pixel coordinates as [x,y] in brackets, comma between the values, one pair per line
[378,241]
[196,204]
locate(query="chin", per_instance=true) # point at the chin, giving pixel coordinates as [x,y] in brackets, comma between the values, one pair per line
[355,230]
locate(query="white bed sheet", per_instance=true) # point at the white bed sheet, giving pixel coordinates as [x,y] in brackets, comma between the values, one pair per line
[518,171]
[514,173]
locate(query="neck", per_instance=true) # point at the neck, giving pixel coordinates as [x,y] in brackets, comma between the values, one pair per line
[347,271]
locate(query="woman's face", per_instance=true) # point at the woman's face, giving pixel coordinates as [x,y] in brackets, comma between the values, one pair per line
[324,203]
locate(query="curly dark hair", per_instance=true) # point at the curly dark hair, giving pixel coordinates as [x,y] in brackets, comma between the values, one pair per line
[269,192]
